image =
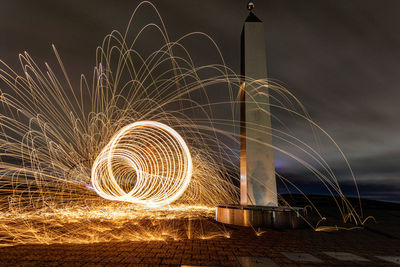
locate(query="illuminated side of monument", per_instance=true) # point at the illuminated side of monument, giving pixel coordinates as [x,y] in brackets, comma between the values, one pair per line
[257,170]
[258,195]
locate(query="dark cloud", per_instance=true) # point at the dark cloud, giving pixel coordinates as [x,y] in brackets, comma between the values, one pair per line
[341,58]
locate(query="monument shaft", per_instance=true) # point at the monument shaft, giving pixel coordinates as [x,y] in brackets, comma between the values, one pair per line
[257,170]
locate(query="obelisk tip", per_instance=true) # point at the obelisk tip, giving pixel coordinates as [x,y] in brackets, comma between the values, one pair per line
[250,5]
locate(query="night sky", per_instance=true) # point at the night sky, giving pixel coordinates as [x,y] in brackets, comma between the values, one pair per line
[340,58]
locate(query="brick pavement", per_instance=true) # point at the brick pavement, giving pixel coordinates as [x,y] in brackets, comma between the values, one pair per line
[220,251]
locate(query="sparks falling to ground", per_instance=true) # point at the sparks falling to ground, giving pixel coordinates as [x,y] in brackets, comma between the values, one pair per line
[142,131]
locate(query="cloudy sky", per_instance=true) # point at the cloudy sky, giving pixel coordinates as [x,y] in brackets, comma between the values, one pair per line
[340,58]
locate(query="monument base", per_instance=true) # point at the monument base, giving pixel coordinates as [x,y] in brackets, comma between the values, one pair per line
[261,216]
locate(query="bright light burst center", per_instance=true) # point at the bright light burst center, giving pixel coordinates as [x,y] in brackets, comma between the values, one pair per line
[145,162]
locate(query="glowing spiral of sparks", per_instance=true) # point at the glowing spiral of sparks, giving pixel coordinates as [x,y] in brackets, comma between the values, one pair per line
[145,162]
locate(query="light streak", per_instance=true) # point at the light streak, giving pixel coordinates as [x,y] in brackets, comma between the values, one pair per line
[66,151]
[150,155]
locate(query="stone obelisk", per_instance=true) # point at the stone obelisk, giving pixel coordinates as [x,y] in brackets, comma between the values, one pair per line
[257,170]
[258,197]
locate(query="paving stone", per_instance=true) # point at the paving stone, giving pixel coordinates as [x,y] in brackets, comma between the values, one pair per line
[199,265]
[300,257]
[256,261]
[344,256]
[392,259]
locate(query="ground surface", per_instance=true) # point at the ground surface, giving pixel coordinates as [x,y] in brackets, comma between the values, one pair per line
[277,247]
